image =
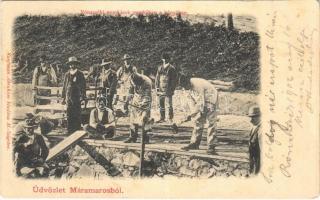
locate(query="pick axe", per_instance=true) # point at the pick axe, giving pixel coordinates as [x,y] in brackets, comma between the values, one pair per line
[175,127]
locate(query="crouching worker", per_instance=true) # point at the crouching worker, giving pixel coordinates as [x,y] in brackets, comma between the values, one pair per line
[140,107]
[102,121]
[30,152]
[204,101]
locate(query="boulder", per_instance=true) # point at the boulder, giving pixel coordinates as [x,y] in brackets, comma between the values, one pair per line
[181,161]
[241,173]
[206,172]
[131,159]
[117,161]
[197,163]
[186,171]
[84,171]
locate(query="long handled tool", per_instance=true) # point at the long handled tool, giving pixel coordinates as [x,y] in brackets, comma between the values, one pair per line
[135,106]
[175,127]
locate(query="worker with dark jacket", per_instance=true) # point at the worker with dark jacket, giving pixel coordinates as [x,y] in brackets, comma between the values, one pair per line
[254,146]
[73,94]
[108,82]
[166,82]
[30,151]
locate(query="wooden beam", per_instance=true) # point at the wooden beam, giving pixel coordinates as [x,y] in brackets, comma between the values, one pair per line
[60,88]
[65,144]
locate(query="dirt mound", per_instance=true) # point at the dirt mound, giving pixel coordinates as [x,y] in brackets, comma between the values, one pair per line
[202,49]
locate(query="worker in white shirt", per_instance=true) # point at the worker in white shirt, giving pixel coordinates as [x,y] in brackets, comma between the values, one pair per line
[204,100]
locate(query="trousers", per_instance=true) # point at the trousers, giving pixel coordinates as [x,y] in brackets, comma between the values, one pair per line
[108,132]
[74,117]
[254,158]
[162,105]
[211,117]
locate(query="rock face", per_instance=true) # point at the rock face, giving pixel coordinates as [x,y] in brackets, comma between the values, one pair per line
[125,163]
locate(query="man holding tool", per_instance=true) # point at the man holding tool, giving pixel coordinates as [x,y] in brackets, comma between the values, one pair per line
[140,107]
[204,103]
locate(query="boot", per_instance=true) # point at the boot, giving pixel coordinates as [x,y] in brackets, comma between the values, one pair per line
[191,146]
[133,136]
[163,117]
[161,120]
[131,140]
[211,150]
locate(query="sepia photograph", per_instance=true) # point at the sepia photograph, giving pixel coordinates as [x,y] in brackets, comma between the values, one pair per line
[136,94]
[162,99]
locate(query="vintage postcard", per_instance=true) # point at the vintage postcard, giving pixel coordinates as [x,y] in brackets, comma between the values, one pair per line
[161,99]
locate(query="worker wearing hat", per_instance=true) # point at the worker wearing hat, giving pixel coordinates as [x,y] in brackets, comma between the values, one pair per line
[43,75]
[30,151]
[165,83]
[46,125]
[108,81]
[254,147]
[73,94]
[123,81]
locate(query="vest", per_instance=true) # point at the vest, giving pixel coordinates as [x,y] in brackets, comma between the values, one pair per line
[43,77]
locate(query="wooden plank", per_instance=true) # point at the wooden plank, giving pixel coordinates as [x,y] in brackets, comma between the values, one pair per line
[166,127]
[48,88]
[60,88]
[57,98]
[179,136]
[65,144]
[168,148]
[48,97]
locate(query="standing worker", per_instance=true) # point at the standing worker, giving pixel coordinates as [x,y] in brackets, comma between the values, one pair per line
[73,94]
[166,82]
[140,107]
[43,75]
[108,82]
[204,100]
[123,85]
[254,147]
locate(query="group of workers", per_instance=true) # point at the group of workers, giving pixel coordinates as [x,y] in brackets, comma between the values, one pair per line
[133,91]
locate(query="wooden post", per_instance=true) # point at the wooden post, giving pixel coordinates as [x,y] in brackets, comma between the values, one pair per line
[142,152]
[230,21]
[95,86]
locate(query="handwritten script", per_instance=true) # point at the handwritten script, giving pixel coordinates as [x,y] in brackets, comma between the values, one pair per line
[290,60]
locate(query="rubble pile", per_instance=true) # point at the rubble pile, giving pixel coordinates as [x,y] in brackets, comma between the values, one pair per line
[156,164]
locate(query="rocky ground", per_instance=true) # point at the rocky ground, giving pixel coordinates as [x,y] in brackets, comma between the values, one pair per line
[125,163]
